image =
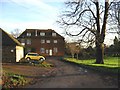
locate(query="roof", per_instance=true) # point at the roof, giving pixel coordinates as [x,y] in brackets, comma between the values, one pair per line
[41,30]
[10,36]
[32,53]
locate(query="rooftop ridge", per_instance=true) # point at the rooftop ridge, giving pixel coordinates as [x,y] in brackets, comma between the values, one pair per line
[41,29]
[14,39]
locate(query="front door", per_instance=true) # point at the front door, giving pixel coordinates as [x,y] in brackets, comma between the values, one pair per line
[50,52]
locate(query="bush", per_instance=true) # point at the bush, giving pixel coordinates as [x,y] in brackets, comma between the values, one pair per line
[23,60]
[12,80]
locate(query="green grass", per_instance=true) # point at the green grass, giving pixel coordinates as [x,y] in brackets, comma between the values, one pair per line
[110,63]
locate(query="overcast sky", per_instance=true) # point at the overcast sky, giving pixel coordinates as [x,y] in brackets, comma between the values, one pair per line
[36,14]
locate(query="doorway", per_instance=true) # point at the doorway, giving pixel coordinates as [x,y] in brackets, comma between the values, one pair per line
[50,52]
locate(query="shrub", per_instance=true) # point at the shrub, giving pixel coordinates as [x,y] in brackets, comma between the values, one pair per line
[11,80]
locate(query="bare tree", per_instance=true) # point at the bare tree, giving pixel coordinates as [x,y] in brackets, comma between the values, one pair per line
[116,12]
[16,32]
[114,18]
[115,7]
[89,17]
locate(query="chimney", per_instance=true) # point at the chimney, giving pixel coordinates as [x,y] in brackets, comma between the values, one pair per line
[35,32]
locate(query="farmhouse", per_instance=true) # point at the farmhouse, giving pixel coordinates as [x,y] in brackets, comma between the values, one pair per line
[10,48]
[45,42]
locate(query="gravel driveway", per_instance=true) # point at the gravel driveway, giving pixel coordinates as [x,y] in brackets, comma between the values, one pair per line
[66,75]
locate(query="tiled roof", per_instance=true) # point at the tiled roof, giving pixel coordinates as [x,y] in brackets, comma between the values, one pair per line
[41,30]
[15,40]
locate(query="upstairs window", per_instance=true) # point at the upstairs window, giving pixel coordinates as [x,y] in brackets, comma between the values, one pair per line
[53,34]
[47,41]
[42,34]
[55,41]
[28,34]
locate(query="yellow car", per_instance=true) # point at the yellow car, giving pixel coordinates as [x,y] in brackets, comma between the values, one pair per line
[34,57]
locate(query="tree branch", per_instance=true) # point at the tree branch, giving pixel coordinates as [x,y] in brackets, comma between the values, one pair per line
[104,21]
[92,31]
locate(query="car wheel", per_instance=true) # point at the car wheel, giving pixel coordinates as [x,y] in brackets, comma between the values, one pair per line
[41,60]
[28,59]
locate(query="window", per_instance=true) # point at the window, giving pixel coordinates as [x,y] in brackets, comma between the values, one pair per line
[42,41]
[42,50]
[23,41]
[28,41]
[47,41]
[47,51]
[55,50]
[42,34]
[23,44]
[28,34]
[53,34]
[55,41]
[33,54]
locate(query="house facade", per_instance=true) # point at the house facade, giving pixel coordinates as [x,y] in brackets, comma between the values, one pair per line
[10,48]
[45,42]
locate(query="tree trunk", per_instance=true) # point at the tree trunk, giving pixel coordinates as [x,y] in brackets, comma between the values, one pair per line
[77,55]
[72,55]
[99,53]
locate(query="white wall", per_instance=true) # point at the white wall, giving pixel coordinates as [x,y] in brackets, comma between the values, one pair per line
[19,53]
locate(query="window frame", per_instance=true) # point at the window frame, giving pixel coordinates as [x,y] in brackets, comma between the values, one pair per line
[55,41]
[55,50]
[28,34]
[54,34]
[42,33]
[42,41]
[42,50]
[47,41]
[28,41]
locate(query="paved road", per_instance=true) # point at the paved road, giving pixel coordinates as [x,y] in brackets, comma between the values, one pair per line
[67,75]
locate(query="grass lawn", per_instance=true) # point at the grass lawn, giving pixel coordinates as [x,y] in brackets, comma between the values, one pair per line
[110,63]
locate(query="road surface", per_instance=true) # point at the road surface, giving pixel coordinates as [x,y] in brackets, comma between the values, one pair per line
[66,75]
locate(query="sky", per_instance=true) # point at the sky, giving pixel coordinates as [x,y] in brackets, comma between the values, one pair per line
[22,14]
[33,14]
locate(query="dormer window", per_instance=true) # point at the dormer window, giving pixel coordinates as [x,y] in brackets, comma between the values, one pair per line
[53,34]
[42,34]
[28,34]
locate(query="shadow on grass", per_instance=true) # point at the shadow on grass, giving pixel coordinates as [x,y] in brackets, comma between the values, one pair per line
[101,69]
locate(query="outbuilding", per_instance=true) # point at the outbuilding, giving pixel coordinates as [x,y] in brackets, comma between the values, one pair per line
[11,49]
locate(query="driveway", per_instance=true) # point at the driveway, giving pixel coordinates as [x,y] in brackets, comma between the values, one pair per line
[66,75]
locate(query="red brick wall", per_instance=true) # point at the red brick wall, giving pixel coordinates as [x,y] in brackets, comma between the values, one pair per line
[36,42]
